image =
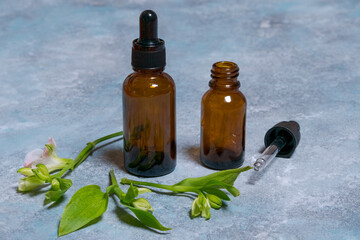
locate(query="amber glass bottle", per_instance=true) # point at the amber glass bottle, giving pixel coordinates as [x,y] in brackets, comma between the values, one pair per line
[149,106]
[223,113]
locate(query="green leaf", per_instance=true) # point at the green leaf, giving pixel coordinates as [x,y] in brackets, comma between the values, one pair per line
[180,188]
[131,194]
[148,219]
[226,176]
[217,192]
[65,183]
[141,205]
[229,176]
[87,204]
[54,195]
[231,189]
[217,184]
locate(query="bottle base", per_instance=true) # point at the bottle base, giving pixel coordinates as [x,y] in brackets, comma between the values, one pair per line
[149,174]
[148,164]
[223,161]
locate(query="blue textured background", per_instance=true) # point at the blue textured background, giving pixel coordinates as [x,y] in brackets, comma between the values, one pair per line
[62,65]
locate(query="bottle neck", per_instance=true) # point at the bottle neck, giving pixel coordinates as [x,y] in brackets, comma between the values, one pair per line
[224,76]
[149,71]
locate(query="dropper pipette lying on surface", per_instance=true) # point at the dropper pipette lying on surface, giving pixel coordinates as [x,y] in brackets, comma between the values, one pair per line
[281,141]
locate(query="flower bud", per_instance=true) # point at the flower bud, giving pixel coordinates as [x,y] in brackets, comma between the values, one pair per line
[142,204]
[55,184]
[205,213]
[29,183]
[143,190]
[201,206]
[26,171]
[195,208]
[42,172]
[215,201]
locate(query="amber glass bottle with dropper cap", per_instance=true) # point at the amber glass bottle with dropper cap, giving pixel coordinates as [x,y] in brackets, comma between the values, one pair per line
[149,106]
[223,113]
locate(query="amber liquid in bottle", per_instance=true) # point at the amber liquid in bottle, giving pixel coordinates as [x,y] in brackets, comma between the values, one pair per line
[149,123]
[149,106]
[223,114]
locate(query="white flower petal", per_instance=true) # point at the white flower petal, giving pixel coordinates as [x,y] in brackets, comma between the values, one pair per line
[55,163]
[32,157]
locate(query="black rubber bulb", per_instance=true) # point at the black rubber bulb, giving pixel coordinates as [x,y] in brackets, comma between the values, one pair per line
[148,50]
[148,28]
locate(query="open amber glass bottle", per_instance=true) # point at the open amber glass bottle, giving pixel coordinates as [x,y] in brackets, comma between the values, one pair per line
[223,114]
[149,106]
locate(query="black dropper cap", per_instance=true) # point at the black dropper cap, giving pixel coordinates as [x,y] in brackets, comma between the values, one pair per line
[289,132]
[148,50]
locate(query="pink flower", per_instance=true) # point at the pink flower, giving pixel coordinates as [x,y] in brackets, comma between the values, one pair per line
[47,157]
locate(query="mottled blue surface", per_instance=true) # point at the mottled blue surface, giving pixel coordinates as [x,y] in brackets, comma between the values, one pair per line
[62,65]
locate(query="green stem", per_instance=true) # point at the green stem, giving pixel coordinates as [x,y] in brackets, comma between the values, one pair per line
[117,134]
[90,146]
[118,192]
[113,178]
[149,184]
[85,153]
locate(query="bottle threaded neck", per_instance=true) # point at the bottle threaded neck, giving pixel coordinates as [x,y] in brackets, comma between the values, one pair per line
[224,74]
[225,69]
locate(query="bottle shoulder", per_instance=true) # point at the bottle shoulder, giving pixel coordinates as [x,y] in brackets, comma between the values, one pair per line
[138,83]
